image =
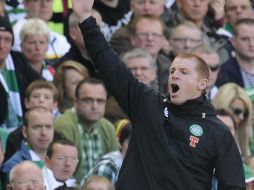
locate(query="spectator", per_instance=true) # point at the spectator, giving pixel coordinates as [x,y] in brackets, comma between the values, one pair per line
[38,131]
[85,126]
[234,11]
[62,159]
[26,175]
[34,36]
[58,44]
[38,93]
[233,98]
[67,76]
[14,76]
[98,183]
[212,59]
[240,68]
[77,51]
[109,165]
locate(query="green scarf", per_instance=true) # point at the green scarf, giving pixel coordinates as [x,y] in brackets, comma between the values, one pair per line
[9,81]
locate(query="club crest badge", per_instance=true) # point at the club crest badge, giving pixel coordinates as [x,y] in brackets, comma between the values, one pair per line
[196,130]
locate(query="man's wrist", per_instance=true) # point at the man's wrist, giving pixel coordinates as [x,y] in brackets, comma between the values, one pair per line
[85,16]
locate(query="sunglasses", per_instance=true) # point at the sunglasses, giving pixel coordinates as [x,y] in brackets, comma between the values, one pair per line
[214,68]
[239,112]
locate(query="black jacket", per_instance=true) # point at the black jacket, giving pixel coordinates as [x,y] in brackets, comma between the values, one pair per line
[161,155]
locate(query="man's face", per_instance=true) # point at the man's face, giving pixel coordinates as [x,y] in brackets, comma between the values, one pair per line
[35,48]
[184,39]
[71,80]
[194,10]
[184,81]
[42,9]
[142,69]
[5,44]
[148,7]
[244,42]
[213,62]
[41,97]
[236,10]
[149,36]
[39,132]
[91,103]
[63,162]
[28,178]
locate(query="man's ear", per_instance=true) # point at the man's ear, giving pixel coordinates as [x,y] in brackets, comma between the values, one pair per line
[46,161]
[24,131]
[27,104]
[203,84]
[233,41]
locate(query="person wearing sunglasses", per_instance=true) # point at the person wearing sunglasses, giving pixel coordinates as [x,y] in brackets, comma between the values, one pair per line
[212,59]
[234,99]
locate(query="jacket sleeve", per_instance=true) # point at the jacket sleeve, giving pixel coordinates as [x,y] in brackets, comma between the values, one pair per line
[129,93]
[229,166]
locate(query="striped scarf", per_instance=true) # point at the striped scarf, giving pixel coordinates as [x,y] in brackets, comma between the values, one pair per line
[9,81]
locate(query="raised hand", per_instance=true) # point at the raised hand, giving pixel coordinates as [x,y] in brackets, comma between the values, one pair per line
[218,8]
[82,8]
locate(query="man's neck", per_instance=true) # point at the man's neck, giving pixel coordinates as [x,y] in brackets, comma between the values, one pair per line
[86,125]
[246,64]
[37,66]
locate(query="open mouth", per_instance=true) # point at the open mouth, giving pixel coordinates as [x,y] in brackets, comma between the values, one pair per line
[175,88]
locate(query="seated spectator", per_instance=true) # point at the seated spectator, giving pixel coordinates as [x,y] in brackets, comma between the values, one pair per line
[240,68]
[39,93]
[58,44]
[62,159]
[142,66]
[67,76]
[34,36]
[235,10]
[109,165]
[85,126]
[26,175]
[98,183]
[78,51]
[234,99]
[38,131]
[213,61]
[15,76]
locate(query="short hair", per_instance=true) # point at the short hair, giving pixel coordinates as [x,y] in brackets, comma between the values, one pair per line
[93,81]
[98,178]
[186,23]
[201,67]
[20,165]
[34,26]
[136,20]
[40,109]
[247,21]
[42,84]
[60,78]
[64,141]
[206,49]
[137,52]
[224,112]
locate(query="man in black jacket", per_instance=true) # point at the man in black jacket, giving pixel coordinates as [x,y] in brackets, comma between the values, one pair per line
[177,142]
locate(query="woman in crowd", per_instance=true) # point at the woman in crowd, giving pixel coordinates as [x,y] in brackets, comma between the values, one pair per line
[234,99]
[67,76]
[34,37]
